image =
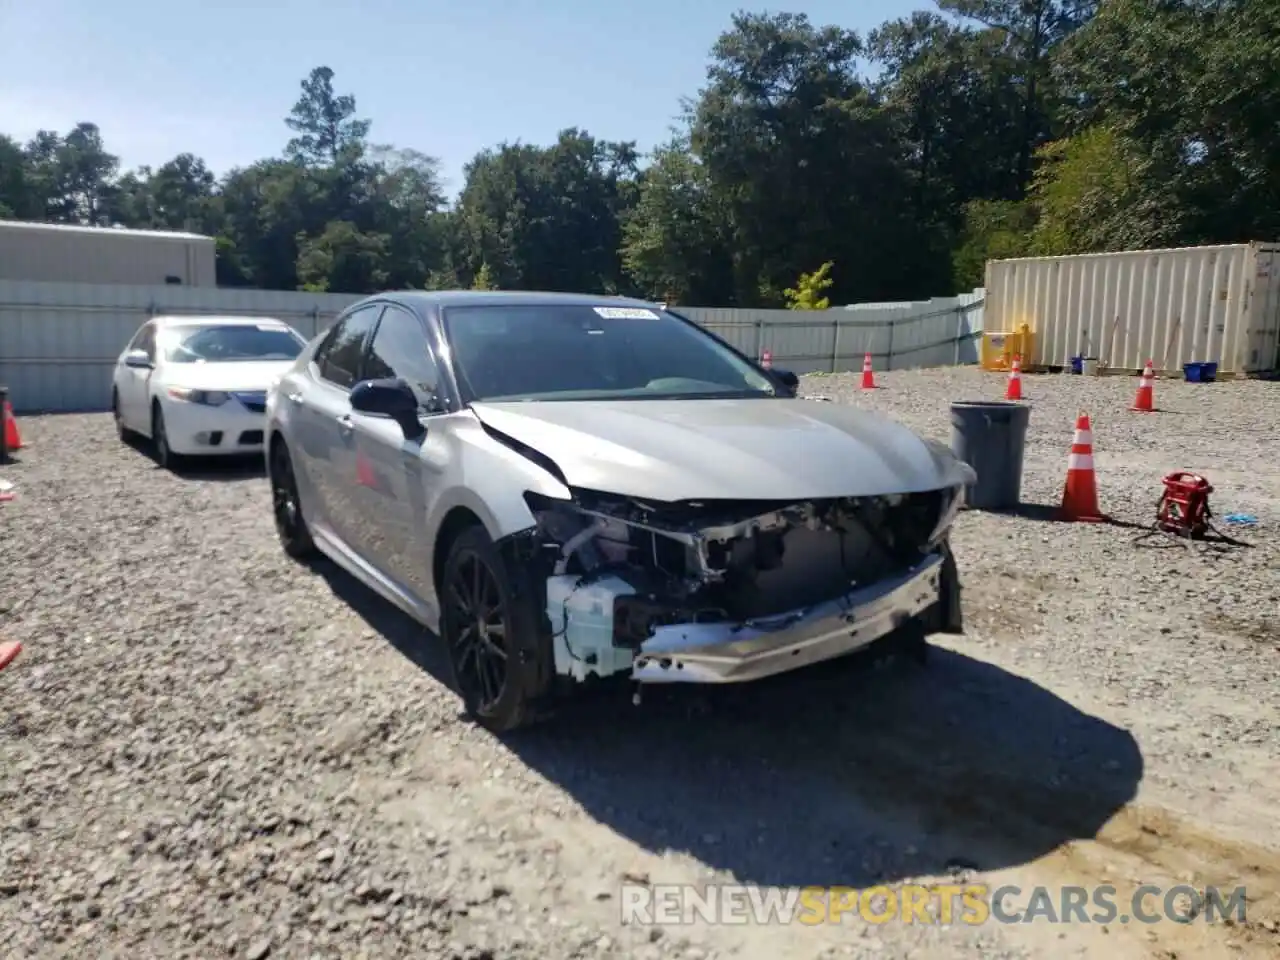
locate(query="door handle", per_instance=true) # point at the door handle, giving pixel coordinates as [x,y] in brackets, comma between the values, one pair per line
[345,425]
[293,397]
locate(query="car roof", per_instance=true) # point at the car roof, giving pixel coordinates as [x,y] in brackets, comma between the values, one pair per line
[489,298]
[206,321]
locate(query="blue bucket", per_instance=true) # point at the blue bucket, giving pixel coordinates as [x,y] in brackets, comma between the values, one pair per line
[1077,365]
[1200,372]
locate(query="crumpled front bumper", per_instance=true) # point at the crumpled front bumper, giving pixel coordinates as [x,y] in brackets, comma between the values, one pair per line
[732,652]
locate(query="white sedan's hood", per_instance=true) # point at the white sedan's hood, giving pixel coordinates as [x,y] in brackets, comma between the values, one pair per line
[245,376]
[766,449]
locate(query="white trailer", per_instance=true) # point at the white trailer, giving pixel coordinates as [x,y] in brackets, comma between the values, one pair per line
[60,253]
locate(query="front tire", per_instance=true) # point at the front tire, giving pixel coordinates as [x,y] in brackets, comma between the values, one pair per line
[286,505]
[165,458]
[482,619]
[911,643]
[123,432]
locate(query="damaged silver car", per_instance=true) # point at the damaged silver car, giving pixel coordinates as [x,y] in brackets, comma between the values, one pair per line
[573,489]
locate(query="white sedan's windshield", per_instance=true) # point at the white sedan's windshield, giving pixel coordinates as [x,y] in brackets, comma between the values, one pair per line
[576,352]
[231,343]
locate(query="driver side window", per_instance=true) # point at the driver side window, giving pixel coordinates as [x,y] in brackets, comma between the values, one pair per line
[146,341]
[400,350]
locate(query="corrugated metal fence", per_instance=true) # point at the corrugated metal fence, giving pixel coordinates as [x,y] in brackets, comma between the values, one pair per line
[59,341]
[927,333]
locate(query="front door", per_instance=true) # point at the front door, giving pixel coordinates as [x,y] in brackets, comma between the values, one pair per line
[398,474]
[135,382]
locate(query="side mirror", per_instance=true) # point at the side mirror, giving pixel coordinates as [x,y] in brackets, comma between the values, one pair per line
[788,380]
[391,398]
[138,359]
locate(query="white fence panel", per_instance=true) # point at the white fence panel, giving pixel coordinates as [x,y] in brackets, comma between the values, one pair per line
[925,333]
[59,341]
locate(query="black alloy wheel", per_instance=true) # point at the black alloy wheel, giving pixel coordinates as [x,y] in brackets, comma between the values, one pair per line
[477,623]
[286,507]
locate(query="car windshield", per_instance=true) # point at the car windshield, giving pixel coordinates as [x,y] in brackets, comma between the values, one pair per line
[231,343]
[584,352]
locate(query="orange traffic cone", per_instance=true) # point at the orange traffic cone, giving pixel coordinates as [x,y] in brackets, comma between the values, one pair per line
[1145,400]
[868,378]
[11,439]
[1014,390]
[1080,495]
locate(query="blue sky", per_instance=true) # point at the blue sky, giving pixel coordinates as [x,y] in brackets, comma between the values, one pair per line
[446,78]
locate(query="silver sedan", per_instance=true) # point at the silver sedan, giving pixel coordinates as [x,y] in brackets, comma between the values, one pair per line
[570,489]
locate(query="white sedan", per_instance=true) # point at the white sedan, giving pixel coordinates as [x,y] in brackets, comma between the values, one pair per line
[196,386]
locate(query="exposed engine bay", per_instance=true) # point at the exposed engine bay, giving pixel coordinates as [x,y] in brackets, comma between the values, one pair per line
[621,571]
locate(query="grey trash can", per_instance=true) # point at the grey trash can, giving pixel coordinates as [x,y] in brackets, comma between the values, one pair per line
[991,437]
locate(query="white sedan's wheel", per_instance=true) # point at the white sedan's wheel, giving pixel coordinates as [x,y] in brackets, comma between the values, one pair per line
[165,458]
[123,432]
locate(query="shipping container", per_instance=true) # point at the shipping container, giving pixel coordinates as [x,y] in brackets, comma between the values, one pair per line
[1218,304]
[58,253]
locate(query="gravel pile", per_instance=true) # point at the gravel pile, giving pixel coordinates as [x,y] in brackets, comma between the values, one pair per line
[207,750]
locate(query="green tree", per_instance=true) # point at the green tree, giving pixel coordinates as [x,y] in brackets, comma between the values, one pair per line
[547,218]
[993,230]
[1195,88]
[807,293]
[342,259]
[673,247]
[18,194]
[325,122]
[803,162]
[1091,193]
[1032,30]
[71,177]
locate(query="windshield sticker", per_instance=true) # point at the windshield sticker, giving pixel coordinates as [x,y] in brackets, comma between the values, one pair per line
[626,313]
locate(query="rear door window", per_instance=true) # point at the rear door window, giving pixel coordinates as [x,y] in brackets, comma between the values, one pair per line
[339,357]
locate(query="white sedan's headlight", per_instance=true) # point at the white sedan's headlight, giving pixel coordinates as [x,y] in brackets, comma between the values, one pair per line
[207,398]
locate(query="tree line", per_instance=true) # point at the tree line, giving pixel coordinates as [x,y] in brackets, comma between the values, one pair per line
[814,160]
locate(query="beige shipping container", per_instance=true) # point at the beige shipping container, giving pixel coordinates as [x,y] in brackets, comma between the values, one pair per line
[58,253]
[1218,304]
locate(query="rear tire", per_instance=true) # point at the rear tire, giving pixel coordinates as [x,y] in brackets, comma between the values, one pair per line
[286,505]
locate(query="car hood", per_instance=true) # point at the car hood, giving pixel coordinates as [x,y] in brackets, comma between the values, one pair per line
[252,375]
[765,449]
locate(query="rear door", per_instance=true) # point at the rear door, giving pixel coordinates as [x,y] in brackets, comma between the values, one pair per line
[326,441]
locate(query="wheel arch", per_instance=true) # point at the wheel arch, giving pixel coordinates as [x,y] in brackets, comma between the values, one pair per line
[459,519]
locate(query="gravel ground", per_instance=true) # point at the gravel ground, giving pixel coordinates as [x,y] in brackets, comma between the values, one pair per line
[210,751]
